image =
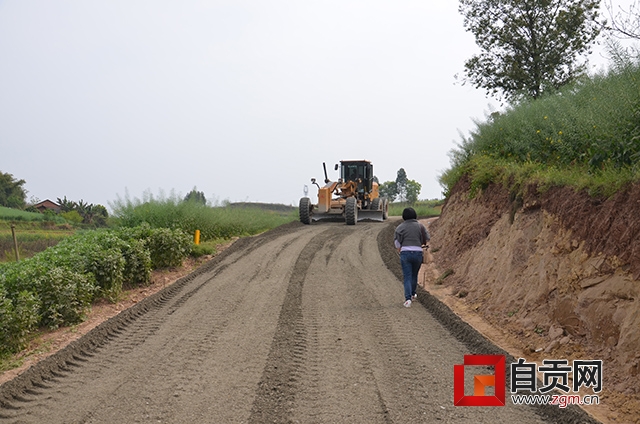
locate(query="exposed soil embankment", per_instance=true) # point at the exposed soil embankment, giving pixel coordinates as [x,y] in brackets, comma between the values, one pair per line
[559,270]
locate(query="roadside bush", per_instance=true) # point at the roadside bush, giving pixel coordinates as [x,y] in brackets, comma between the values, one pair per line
[57,286]
[201,250]
[137,269]
[91,253]
[17,318]
[63,295]
[134,251]
[168,247]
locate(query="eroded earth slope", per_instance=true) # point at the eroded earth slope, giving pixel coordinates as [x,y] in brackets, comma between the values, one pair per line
[558,271]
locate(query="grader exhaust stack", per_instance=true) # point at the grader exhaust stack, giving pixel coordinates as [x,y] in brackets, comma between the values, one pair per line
[353,197]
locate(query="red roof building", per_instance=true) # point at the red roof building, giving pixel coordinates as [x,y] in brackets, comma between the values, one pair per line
[47,205]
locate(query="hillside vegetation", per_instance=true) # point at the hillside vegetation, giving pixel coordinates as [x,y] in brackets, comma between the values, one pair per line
[586,136]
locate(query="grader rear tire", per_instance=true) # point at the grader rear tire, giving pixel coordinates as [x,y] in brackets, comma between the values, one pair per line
[375,204]
[351,211]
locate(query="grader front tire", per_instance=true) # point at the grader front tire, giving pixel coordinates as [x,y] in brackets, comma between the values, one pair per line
[305,210]
[351,211]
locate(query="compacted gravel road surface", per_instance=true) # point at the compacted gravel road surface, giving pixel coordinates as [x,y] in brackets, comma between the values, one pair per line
[303,324]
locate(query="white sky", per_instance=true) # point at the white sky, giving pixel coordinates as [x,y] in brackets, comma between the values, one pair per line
[242,98]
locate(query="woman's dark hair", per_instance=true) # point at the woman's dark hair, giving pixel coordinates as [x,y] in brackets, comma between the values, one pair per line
[409,213]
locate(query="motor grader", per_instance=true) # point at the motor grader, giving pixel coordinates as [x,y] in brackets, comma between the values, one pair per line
[354,197]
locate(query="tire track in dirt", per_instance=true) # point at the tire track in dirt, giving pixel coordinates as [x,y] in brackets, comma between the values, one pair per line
[338,383]
[122,337]
[276,389]
[380,356]
[120,359]
[56,367]
[472,340]
[301,324]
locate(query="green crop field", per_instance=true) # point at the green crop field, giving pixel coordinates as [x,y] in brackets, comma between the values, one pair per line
[32,238]
[424,208]
[11,214]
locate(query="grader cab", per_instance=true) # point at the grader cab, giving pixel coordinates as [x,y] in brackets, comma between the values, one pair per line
[353,197]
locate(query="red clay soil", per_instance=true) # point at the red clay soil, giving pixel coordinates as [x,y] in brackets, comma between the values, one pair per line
[608,226]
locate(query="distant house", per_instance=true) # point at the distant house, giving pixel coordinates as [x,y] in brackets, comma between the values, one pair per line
[47,205]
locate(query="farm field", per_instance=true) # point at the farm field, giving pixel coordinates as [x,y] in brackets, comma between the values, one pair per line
[32,237]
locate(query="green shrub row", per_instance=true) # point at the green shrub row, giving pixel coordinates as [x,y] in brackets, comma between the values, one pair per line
[56,287]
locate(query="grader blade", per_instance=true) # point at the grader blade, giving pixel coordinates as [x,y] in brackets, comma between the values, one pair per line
[369,215]
[327,217]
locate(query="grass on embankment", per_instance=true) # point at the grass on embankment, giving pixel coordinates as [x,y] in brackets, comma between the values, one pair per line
[586,136]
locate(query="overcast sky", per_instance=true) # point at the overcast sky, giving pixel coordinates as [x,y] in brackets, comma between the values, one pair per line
[242,98]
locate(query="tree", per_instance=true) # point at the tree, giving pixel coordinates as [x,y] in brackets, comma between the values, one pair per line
[88,212]
[12,194]
[196,196]
[528,46]
[72,216]
[83,207]
[100,215]
[625,23]
[92,214]
[412,191]
[66,205]
[402,188]
[389,190]
[401,184]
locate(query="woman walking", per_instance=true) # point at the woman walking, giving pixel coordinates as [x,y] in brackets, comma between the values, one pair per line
[409,238]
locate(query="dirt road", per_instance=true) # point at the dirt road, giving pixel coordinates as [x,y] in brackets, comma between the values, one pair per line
[303,324]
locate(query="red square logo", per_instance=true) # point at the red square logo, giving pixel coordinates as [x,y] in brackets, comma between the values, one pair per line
[480,382]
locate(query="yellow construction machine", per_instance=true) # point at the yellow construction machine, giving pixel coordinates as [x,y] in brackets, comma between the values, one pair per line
[354,197]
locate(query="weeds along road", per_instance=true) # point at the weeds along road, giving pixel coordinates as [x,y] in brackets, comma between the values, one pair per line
[303,324]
